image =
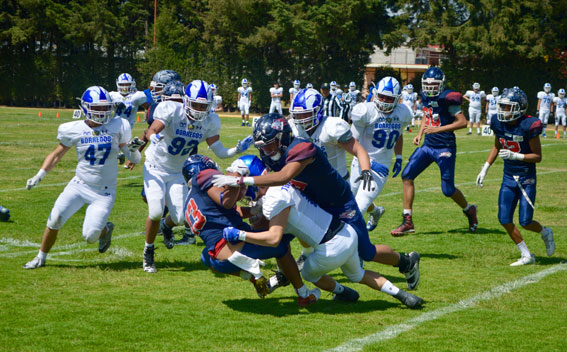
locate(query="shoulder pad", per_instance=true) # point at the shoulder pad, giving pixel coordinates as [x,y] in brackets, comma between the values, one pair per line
[452,97]
[164,110]
[532,126]
[205,178]
[540,95]
[276,199]
[334,129]
[361,111]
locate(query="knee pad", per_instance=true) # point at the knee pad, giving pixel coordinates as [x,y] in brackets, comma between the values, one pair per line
[356,277]
[155,212]
[91,236]
[448,188]
[54,221]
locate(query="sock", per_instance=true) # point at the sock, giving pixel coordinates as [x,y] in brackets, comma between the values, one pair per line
[42,255]
[407,212]
[477,130]
[524,249]
[467,207]
[303,291]
[149,245]
[166,225]
[470,129]
[389,288]
[403,264]
[245,275]
[338,288]
[307,250]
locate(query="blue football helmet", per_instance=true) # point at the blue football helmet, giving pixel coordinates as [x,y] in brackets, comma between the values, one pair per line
[257,168]
[272,135]
[173,90]
[387,94]
[296,84]
[198,100]
[433,82]
[244,82]
[125,84]
[160,79]
[512,104]
[547,87]
[195,164]
[307,109]
[97,105]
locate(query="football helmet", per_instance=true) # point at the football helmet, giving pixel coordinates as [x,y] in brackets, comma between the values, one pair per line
[307,109]
[125,84]
[387,94]
[352,86]
[97,105]
[296,84]
[160,79]
[561,93]
[547,87]
[195,164]
[476,86]
[257,168]
[333,85]
[495,91]
[433,82]
[409,88]
[213,87]
[198,100]
[244,82]
[309,85]
[173,90]
[512,104]
[272,135]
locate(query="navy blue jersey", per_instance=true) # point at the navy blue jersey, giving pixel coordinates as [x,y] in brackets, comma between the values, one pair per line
[206,218]
[319,181]
[436,113]
[151,109]
[516,137]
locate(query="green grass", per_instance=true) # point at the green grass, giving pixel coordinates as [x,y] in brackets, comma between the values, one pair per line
[86,301]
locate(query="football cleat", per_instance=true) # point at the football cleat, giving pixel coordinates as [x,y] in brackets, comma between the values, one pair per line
[300,261]
[278,280]
[374,217]
[168,238]
[149,264]
[34,263]
[313,297]
[405,227]
[524,261]
[413,275]
[348,295]
[547,238]
[104,242]
[242,124]
[409,300]
[471,215]
[261,286]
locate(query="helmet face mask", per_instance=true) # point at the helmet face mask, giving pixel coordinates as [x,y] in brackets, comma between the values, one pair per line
[125,84]
[387,94]
[272,135]
[561,93]
[97,106]
[198,100]
[547,87]
[432,82]
[512,105]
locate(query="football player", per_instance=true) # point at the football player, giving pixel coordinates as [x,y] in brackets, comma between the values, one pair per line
[378,126]
[244,101]
[491,105]
[217,99]
[276,92]
[296,160]
[294,90]
[127,98]
[516,141]
[97,140]
[209,209]
[475,97]
[559,103]
[442,115]
[409,99]
[334,243]
[545,105]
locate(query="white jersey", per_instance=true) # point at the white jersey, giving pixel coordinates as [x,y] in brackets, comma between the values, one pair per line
[327,135]
[378,132]
[336,92]
[409,99]
[306,220]
[180,136]
[217,101]
[293,91]
[354,97]
[492,103]
[475,99]
[559,105]
[279,92]
[546,99]
[97,149]
[244,94]
[132,103]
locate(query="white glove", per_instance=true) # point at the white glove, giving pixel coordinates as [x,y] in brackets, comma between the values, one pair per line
[155,138]
[134,144]
[507,154]
[243,145]
[32,182]
[482,175]
[232,181]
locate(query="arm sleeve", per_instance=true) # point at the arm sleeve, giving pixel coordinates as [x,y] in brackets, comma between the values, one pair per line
[213,125]
[221,151]
[138,98]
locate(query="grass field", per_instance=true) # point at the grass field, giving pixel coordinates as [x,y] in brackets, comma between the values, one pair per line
[83,300]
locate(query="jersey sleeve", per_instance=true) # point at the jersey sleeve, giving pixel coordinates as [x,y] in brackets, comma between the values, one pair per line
[336,131]
[205,178]
[213,125]
[117,97]
[249,89]
[125,132]
[359,119]
[540,95]
[468,93]
[164,112]
[138,98]
[556,100]
[301,151]
[482,95]
[273,90]
[276,200]
[534,128]
[66,134]
[239,90]
[218,100]
[454,98]
[406,114]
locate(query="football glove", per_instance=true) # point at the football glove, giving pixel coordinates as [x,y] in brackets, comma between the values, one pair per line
[482,175]
[367,179]
[32,182]
[243,145]
[397,166]
[134,144]
[507,154]
[232,181]
[233,235]
[155,138]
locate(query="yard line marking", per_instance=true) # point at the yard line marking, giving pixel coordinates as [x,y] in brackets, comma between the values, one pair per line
[61,184]
[430,189]
[487,150]
[395,330]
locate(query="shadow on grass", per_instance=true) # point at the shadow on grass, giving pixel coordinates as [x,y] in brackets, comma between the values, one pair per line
[133,184]
[284,306]
[438,255]
[551,260]
[176,265]
[479,231]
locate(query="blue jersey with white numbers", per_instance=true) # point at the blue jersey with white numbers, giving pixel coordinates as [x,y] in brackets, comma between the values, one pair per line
[516,137]
[436,113]
[319,181]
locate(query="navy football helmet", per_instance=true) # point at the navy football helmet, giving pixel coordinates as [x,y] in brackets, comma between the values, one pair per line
[173,90]
[197,163]
[272,135]
[512,104]
[433,82]
[160,79]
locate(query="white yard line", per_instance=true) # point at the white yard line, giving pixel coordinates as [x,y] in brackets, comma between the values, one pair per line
[41,185]
[395,330]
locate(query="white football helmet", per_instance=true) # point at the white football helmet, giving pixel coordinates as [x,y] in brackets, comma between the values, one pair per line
[476,86]
[213,87]
[547,87]
[198,100]
[244,82]
[309,85]
[307,109]
[410,88]
[495,91]
[352,86]
[125,84]
[97,105]
[333,85]
[561,93]
[296,84]
[387,94]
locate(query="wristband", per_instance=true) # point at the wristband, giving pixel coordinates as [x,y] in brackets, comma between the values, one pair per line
[399,156]
[242,235]
[248,181]
[41,174]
